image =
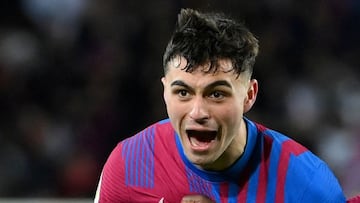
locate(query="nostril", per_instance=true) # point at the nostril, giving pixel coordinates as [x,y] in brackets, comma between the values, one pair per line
[201,120]
[199,115]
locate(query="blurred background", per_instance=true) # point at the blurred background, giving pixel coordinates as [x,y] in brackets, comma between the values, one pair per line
[78,76]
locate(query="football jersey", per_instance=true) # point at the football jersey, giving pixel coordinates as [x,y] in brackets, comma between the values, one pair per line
[152,167]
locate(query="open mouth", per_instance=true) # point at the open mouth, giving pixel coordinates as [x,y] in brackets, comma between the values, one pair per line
[201,139]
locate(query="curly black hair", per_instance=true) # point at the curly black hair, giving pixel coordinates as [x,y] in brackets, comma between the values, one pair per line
[207,37]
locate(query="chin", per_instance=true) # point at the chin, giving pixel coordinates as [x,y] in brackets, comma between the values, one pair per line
[200,160]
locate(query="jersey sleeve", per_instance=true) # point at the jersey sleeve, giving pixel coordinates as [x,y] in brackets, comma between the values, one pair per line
[324,187]
[314,184]
[111,186]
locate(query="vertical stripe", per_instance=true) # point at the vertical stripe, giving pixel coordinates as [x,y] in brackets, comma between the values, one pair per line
[288,147]
[272,170]
[125,153]
[253,171]
[215,191]
[139,159]
[249,178]
[147,162]
[253,185]
[131,161]
[143,160]
[233,192]
[224,191]
[264,166]
[199,185]
[191,183]
[243,192]
[151,156]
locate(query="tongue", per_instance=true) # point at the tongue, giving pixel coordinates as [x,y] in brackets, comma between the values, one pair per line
[201,139]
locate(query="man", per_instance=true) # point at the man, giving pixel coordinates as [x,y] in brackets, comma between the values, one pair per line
[207,151]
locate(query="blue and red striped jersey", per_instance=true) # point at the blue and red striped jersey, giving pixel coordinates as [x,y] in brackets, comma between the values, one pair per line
[151,166]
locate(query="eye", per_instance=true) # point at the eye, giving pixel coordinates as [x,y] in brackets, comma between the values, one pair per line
[217,95]
[182,93]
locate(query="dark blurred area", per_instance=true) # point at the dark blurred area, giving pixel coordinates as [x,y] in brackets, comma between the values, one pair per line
[77,76]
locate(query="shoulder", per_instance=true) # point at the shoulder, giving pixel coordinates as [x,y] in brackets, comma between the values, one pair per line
[148,136]
[127,160]
[278,141]
[301,174]
[289,152]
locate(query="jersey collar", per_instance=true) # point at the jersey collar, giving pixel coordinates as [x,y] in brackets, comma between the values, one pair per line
[234,171]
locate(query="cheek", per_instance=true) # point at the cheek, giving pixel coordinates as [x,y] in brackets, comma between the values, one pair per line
[175,110]
[176,113]
[231,115]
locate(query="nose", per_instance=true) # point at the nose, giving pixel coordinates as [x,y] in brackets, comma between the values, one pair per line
[199,111]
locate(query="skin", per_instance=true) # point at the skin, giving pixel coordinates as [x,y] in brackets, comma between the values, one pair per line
[209,103]
[196,199]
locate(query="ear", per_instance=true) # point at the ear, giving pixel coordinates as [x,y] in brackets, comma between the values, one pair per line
[251,95]
[163,81]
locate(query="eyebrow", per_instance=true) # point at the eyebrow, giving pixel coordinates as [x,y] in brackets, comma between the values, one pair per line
[211,85]
[179,83]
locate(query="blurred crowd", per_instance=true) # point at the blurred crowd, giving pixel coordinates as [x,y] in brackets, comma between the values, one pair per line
[77,76]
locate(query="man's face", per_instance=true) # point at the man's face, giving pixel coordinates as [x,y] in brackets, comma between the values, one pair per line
[206,110]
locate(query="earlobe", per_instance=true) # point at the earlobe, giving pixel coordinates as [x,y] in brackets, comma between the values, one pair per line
[251,95]
[164,88]
[163,81]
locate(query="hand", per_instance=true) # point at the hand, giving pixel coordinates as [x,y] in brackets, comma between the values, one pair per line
[196,199]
